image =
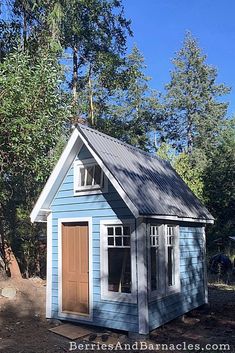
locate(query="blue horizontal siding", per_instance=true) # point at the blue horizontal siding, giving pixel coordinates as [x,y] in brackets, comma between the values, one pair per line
[191,278]
[106,313]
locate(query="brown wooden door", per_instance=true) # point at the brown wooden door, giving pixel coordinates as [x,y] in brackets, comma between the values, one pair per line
[75,268]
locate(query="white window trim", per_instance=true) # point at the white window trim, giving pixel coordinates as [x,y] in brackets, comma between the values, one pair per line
[164,289]
[105,293]
[63,314]
[87,190]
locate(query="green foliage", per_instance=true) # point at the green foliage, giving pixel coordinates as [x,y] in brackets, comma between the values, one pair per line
[193,113]
[219,181]
[132,112]
[33,111]
[190,168]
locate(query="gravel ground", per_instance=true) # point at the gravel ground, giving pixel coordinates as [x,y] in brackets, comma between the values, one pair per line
[23,328]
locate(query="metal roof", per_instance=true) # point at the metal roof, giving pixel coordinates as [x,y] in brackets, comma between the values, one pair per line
[151,183]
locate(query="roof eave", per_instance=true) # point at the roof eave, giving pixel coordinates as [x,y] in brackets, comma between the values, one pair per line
[180,219]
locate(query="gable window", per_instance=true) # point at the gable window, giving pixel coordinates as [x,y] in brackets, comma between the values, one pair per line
[163,260]
[88,177]
[117,260]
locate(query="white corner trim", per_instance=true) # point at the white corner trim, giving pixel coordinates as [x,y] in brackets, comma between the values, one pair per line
[205,265]
[49,268]
[142,276]
[116,185]
[183,219]
[72,148]
[105,294]
[62,314]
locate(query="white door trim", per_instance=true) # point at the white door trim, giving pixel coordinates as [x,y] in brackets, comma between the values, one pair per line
[62,314]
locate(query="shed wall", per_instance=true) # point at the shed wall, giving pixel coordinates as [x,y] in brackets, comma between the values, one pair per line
[99,207]
[192,292]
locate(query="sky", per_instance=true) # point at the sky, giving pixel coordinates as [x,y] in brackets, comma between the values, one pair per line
[159,27]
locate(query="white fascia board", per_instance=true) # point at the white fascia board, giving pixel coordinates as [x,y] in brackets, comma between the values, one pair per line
[115,183]
[57,176]
[182,219]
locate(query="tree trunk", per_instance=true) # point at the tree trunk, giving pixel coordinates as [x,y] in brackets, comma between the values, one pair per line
[24,41]
[12,263]
[92,119]
[75,74]
[189,136]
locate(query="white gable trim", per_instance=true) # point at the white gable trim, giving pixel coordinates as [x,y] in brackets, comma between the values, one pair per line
[116,185]
[76,141]
[53,183]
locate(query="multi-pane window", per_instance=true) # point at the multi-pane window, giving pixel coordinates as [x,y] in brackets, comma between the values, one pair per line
[164,259]
[170,243]
[88,176]
[119,258]
[154,257]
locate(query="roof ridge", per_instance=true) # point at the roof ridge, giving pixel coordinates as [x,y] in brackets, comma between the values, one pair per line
[148,154]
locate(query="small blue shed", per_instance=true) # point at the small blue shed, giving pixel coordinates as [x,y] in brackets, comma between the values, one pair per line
[125,237]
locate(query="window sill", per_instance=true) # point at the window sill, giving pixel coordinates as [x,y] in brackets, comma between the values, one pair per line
[153,296]
[85,192]
[119,297]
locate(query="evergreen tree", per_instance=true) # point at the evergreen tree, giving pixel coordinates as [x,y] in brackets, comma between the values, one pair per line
[193,113]
[219,182]
[133,109]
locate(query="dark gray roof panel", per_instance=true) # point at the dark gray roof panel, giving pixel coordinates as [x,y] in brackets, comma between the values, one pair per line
[150,183]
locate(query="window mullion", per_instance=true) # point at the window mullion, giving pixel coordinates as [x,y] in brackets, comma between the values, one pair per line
[85,178]
[93,175]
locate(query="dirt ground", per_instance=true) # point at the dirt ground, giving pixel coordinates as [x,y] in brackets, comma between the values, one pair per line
[23,328]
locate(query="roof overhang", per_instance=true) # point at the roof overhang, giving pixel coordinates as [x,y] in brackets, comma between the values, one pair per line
[181,219]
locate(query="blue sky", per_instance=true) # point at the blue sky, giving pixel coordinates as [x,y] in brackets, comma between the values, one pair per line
[159,27]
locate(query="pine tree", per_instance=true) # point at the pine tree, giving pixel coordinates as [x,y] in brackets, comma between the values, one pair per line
[193,112]
[133,110]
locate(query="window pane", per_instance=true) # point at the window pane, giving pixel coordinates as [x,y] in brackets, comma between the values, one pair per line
[126,231]
[82,177]
[119,270]
[89,175]
[110,231]
[126,241]
[110,241]
[154,254]
[97,175]
[118,241]
[171,266]
[118,231]
[171,240]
